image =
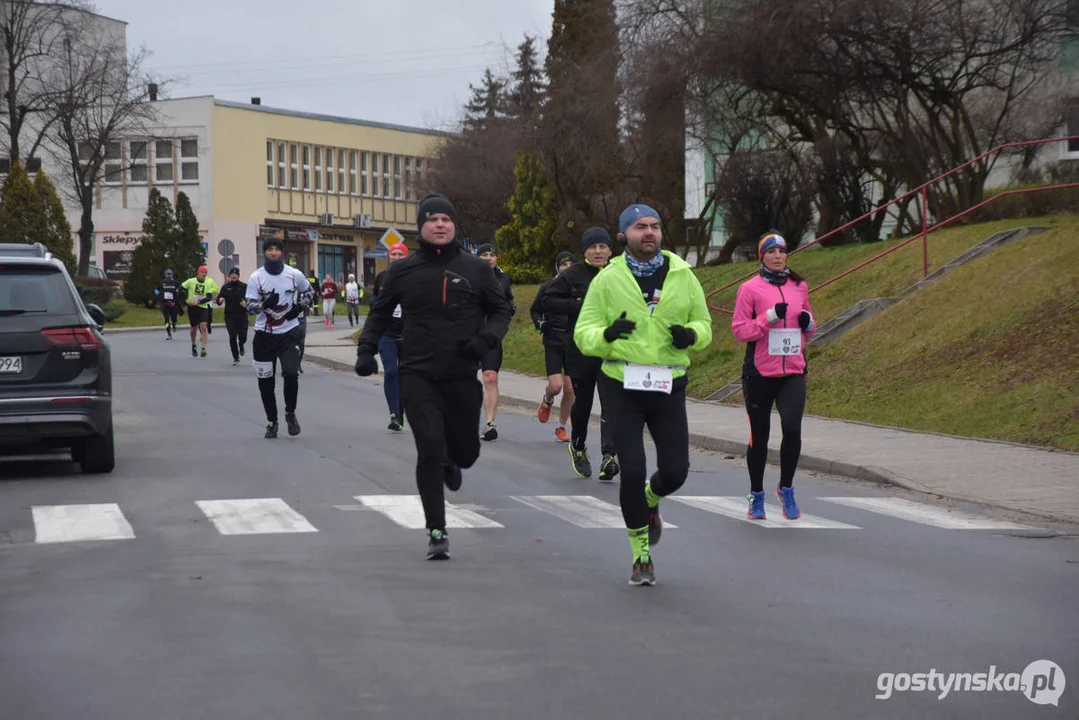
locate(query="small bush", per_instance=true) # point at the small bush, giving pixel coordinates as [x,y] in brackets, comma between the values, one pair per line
[526,274]
[1035,204]
[97,291]
[113,311]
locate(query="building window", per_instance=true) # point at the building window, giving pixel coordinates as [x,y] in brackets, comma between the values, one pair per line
[329,170]
[341,172]
[306,167]
[294,166]
[113,163]
[164,167]
[398,193]
[365,188]
[269,163]
[376,175]
[137,170]
[352,160]
[410,192]
[282,170]
[189,160]
[387,177]
[318,168]
[419,178]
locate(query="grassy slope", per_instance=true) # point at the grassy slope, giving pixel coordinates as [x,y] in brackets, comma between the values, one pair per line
[721,362]
[138,316]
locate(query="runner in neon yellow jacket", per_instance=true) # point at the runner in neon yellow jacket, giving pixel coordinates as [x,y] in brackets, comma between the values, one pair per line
[642,314]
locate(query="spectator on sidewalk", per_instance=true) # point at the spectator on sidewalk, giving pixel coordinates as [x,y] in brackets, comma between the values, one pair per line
[773,317]
[329,299]
[353,294]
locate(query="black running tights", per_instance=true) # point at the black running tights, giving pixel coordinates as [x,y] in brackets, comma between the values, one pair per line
[266,351]
[789,396]
[442,416]
[665,417]
[584,392]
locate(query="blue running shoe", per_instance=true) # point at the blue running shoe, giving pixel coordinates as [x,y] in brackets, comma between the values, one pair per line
[786,498]
[756,506]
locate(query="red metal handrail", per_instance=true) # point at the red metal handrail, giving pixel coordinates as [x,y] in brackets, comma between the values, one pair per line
[924,190]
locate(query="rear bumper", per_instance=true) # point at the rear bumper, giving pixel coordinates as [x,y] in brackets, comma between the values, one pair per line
[46,417]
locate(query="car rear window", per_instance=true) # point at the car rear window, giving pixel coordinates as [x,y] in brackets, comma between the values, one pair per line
[34,290]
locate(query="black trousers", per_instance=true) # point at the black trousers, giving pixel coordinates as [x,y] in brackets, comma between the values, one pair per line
[266,351]
[584,375]
[237,329]
[665,417]
[442,415]
[789,396]
[169,312]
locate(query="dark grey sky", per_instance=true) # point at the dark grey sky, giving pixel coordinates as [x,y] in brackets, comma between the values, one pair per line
[400,61]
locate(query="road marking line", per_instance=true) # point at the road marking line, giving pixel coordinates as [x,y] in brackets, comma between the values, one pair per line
[254,516]
[407,511]
[584,511]
[76,523]
[735,507]
[917,512]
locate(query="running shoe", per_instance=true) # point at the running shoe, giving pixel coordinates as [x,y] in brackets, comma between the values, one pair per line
[581,464]
[655,526]
[561,435]
[241,351]
[194,351]
[452,477]
[544,412]
[396,423]
[293,423]
[491,433]
[203,354]
[786,498]
[271,430]
[236,362]
[608,468]
[756,506]
[644,572]
[438,545]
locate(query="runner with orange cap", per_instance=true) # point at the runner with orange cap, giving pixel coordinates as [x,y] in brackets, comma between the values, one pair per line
[389,347]
[200,292]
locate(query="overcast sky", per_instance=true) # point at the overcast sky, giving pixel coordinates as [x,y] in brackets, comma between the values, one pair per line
[399,61]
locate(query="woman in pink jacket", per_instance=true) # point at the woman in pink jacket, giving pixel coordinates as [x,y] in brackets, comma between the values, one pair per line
[773,317]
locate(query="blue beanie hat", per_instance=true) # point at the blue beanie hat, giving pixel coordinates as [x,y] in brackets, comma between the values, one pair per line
[634,213]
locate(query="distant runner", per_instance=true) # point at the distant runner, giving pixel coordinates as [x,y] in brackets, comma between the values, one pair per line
[200,291]
[169,292]
[554,328]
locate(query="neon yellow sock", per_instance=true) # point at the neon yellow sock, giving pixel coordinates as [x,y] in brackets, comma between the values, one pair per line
[651,497]
[638,542]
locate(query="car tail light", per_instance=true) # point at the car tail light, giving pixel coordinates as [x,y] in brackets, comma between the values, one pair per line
[80,337]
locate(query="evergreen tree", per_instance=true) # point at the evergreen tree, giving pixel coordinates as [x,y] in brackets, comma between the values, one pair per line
[154,253]
[22,217]
[186,250]
[525,99]
[487,105]
[528,243]
[56,229]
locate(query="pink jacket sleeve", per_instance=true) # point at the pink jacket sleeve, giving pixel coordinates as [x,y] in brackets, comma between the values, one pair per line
[805,305]
[745,327]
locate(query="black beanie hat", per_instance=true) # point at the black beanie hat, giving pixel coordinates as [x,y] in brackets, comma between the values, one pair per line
[432,205]
[594,236]
[273,242]
[563,257]
[487,247]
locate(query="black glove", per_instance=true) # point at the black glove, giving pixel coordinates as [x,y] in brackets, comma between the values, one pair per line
[619,329]
[366,365]
[478,346]
[780,310]
[804,318]
[269,302]
[294,312]
[682,337]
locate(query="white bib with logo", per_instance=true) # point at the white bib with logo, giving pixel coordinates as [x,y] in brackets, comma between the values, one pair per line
[651,378]
[784,341]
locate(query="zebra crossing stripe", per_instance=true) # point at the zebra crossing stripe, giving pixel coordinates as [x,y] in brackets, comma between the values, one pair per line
[78,523]
[254,516]
[735,507]
[407,511]
[584,511]
[917,512]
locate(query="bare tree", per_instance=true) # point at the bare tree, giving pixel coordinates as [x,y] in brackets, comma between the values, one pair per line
[100,96]
[31,36]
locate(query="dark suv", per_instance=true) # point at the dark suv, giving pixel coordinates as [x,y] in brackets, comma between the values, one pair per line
[55,366]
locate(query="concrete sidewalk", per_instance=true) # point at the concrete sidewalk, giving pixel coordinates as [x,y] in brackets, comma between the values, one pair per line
[1014,477]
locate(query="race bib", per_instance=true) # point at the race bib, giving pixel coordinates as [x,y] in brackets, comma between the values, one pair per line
[784,341]
[652,378]
[397,311]
[262,369]
[198,299]
[168,295]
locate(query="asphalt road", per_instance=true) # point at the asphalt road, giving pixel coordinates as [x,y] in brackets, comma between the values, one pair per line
[336,614]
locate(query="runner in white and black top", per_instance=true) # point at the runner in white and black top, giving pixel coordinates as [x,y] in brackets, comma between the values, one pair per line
[278,295]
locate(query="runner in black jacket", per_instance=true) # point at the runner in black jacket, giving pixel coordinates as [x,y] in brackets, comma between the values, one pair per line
[453,312]
[232,297]
[564,296]
[491,363]
[170,292]
[554,328]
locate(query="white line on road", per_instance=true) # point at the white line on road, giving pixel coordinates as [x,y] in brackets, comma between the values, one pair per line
[925,514]
[407,511]
[584,511]
[735,507]
[75,523]
[254,516]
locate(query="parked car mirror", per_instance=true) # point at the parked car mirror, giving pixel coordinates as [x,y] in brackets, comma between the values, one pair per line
[97,314]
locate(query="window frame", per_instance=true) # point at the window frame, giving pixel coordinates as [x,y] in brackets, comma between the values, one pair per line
[269,163]
[134,163]
[342,158]
[330,170]
[294,166]
[187,161]
[282,165]
[306,158]
[116,162]
[318,168]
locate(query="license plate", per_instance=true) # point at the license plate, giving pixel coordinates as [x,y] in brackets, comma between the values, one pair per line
[12,365]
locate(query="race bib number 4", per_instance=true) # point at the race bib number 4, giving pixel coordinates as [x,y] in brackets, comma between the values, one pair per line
[651,378]
[784,341]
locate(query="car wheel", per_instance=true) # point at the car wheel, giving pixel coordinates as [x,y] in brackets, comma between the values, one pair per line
[96,453]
